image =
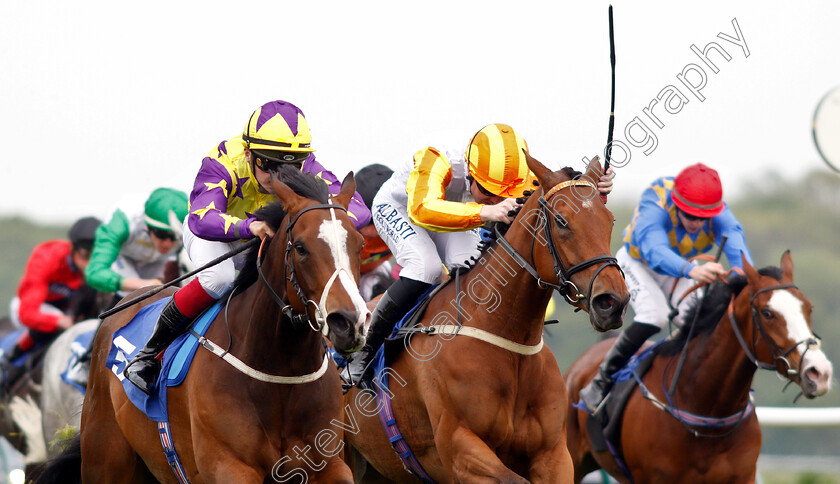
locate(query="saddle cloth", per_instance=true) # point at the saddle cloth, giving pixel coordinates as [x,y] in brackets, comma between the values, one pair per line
[175,364]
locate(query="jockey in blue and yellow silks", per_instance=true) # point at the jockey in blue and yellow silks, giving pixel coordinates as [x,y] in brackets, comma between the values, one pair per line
[233,182]
[676,219]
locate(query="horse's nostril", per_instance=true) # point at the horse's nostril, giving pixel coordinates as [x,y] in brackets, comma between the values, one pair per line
[604,302]
[339,322]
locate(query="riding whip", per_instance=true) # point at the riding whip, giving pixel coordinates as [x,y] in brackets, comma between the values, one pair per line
[608,149]
[157,289]
[691,329]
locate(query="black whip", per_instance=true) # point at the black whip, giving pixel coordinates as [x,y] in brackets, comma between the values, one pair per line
[157,289]
[612,97]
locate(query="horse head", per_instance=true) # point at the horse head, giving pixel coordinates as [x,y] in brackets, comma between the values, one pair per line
[320,248]
[572,226]
[782,338]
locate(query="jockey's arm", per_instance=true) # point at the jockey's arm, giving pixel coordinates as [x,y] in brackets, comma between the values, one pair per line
[427,205]
[109,240]
[33,291]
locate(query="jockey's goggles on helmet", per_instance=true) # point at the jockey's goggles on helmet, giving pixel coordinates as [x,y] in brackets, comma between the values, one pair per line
[484,191]
[269,162]
[161,234]
[692,218]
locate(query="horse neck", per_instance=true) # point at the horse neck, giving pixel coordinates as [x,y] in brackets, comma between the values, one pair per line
[500,296]
[264,338]
[717,378]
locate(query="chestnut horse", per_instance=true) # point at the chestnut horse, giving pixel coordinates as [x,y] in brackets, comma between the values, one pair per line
[757,320]
[228,425]
[489,405]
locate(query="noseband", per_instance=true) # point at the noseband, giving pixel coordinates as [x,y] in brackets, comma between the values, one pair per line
[565,286]
[779,354]
[302,319]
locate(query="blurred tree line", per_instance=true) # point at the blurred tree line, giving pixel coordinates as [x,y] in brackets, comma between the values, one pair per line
[777,214]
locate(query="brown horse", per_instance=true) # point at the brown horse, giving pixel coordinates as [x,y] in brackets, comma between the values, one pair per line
[761,320]
[247,422]
[489,405]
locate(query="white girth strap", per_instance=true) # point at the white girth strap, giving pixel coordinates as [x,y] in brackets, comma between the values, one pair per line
[488,338]
[258,375]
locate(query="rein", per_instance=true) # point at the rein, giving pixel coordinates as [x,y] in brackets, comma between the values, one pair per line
[779,355]
[565,286]
[299,319]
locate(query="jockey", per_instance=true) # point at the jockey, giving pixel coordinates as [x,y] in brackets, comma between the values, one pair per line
[234,180]
[377,266]
[55,270]
[428,212]
[132,249]
[676,219]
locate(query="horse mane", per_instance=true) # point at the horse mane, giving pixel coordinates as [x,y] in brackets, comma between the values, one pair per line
[710,310]
[305,185]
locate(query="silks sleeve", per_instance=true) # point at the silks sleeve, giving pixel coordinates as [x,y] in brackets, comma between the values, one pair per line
[427,205]
[109,240]
[33,291]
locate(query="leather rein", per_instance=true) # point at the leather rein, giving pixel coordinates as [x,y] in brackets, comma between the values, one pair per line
[565,286]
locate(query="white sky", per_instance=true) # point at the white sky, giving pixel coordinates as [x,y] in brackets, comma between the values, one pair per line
[99,99]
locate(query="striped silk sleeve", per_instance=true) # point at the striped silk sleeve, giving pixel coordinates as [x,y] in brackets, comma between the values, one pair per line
[427,206]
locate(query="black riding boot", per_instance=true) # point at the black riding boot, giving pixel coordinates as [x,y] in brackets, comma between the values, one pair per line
[143,369]
[10,372]
[384,317]
[630,340]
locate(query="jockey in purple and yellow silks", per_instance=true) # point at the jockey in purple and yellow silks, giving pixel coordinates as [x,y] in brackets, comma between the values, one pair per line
[677,218]
[233,182]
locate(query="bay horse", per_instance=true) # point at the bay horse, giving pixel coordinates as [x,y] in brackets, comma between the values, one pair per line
[708,431]
[228,426]
[489,405]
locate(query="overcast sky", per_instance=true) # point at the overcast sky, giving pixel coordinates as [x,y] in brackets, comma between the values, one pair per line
[100,99]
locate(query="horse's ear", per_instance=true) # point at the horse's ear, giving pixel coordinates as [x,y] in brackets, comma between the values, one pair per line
[787,266]
[749,271]
[348,189]
[544,175]
[594,170]
[286,195]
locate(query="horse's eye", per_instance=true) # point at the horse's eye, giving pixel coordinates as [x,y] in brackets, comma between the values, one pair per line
[768,314]
[300,249]
[561,222]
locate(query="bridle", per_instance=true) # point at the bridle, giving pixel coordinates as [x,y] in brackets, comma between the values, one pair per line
[298,319]
[565,286]
[779,354]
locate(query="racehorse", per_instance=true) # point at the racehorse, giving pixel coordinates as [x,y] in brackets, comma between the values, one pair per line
[61,403]
[228,426]
[476,394]
[708,431]
[20,419]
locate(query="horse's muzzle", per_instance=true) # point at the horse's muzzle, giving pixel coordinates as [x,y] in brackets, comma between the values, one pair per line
[606,311]
[346,331]
[816,379]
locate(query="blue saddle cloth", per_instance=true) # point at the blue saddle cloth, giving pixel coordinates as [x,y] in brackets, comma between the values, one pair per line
[131,338]
[78,348]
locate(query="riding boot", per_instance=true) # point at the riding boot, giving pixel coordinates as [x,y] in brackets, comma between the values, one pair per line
[630,340]
[384,317]
[10,372]
[144,368]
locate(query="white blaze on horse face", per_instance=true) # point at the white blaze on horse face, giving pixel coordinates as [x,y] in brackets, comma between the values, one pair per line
[332,232]
[790,307]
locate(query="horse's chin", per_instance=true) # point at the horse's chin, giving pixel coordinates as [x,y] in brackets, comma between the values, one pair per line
[345,349]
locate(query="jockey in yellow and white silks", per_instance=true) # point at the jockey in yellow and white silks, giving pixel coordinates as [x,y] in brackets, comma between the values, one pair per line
[429,211]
